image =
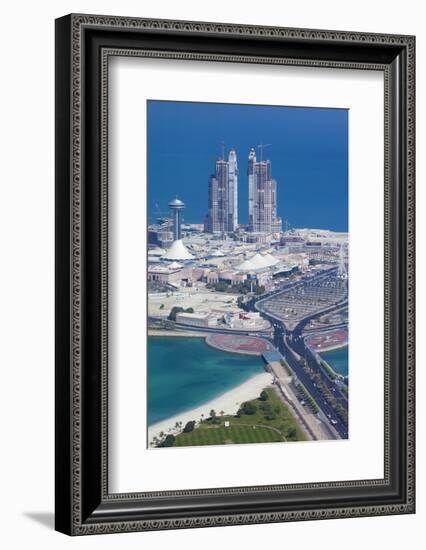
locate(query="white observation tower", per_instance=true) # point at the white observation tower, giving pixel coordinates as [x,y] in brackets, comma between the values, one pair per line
[178,250]
[176,206]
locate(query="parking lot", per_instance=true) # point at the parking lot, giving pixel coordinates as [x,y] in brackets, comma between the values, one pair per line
[307,298]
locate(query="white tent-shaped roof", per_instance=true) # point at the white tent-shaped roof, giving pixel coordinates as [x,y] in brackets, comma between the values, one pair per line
[246,266]
[259,261]
[271,260]
[178,251]
[175,265]
[156,252]
[218,253]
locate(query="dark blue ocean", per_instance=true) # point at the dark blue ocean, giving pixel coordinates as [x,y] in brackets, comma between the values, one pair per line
[308,149]
[184,373]
[337,359]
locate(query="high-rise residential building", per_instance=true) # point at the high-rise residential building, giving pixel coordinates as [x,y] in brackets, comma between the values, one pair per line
[262,196]
[232,190]
[222,214]
[251,184]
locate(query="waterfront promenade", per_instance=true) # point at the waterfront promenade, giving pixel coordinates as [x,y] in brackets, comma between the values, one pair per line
[312,426]
[176,333]
[247,345]
[328,340]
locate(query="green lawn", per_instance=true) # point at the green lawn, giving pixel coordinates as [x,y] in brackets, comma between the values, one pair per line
[221,435]
[272,422]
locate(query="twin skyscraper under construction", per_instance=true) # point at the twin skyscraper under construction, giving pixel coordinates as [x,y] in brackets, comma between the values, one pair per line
[222,214]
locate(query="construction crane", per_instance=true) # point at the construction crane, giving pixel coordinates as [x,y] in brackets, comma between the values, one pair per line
[342,271]
[160,214]
[262,146]
[287,226]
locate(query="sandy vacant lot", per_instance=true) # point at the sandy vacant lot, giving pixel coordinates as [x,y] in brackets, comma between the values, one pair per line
[199,300]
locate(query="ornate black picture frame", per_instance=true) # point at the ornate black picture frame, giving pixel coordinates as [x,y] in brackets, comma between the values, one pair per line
[83,45]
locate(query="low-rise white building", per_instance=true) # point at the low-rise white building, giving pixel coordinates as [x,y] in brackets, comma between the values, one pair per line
[196,319]
[243,320]
[166,274]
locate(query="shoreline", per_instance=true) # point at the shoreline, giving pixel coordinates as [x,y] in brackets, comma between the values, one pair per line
[175,333]
[222,347]
[208,338]
[229,402]
[338,374]
[331,348]
[236,352]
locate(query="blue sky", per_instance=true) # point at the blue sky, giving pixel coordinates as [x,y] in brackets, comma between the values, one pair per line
[309,154]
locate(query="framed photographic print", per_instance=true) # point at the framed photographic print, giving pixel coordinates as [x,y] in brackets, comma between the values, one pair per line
[234,274]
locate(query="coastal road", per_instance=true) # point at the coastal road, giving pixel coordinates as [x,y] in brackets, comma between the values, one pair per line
[288,342]
[286,349]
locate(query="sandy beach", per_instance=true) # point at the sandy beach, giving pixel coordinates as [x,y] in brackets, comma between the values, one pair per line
[228,402]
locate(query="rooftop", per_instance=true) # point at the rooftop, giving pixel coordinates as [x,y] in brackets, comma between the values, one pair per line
[178,251]
[176,203]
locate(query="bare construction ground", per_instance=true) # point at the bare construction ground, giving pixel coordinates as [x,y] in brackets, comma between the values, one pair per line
[159,305]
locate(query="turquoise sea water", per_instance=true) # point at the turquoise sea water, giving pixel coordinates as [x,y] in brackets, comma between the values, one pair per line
[337,359]
[184,373]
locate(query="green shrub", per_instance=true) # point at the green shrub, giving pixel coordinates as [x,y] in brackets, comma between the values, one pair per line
[189,426]
[168,441]
[248,408]
[263,396]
